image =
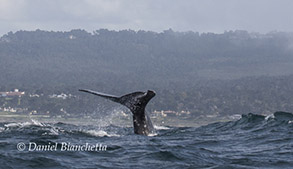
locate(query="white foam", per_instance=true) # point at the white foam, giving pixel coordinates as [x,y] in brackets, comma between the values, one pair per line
[289,122]
[152,134]
[161,127]
[54,131]
[235,117]
[24,124]
[271,116]
[1,129]
[35,122]
[101,133]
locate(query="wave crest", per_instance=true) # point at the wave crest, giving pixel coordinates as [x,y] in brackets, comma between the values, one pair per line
[100,133]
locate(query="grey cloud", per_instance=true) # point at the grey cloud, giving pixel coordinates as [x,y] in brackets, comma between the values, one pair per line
[156,15]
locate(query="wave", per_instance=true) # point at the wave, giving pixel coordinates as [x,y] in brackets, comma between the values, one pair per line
[50,129]
[60,129]
[161,127]
[100,133]
[276,117]
[285,116]
[250,141]
[253,122]
[24,124]
[21,125]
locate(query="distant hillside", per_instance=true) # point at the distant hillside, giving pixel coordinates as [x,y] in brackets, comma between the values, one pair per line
[187,69]
[127,57]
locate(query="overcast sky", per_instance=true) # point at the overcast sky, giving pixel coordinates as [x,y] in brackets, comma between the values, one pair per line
[155,15]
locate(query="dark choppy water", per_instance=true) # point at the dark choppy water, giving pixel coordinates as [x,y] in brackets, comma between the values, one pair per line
[253,141]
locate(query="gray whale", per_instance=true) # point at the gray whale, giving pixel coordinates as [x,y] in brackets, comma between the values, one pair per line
[136,103]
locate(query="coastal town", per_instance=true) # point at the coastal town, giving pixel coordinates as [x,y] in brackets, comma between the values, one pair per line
[11,103]
[18,104]
[16,92]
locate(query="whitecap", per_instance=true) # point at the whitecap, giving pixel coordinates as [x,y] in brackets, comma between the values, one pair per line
[35,122]
[161,127]
[52,131]
[289,122]
[100,133]
[1,129]
[24,124]
[271,116]
[153,134]
[235,117]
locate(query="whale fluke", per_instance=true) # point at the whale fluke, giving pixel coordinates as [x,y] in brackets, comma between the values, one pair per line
[136,103]
[106,96]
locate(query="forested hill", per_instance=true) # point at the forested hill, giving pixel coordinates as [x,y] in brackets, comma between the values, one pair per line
[176,64]
[140,58]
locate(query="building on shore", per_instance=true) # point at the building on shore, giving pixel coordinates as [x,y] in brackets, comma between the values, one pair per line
[16,92]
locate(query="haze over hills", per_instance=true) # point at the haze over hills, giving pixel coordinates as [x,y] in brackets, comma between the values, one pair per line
[190,71]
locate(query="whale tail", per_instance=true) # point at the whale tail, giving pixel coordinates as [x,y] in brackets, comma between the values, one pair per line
[133,101]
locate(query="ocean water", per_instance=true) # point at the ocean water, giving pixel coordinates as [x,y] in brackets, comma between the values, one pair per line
[254,141]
